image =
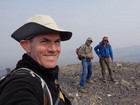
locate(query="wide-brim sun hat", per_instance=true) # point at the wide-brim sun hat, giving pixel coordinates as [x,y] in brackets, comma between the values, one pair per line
[37,25]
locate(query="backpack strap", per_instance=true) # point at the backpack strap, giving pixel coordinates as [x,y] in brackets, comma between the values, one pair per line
[58,99]
[46,91]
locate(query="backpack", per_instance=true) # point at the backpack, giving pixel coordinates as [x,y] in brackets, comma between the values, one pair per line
[77,52]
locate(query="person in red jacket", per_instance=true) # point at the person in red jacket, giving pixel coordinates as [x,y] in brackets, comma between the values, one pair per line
[41,39]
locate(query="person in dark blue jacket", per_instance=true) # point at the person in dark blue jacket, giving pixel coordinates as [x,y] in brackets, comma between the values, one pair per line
[104,52]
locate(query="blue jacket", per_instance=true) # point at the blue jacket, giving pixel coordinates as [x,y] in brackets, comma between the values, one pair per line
[104,51]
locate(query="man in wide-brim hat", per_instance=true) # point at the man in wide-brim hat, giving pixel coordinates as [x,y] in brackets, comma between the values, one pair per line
[41,39]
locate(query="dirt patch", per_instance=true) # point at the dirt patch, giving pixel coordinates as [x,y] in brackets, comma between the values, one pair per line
[126,91]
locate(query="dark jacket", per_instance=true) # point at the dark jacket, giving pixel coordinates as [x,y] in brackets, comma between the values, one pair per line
[25,90]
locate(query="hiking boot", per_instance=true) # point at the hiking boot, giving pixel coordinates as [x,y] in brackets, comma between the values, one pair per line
[89,81]
[82,90]
[113,80]
[104,80]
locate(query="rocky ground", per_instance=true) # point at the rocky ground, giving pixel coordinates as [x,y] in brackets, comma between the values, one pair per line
[126,91]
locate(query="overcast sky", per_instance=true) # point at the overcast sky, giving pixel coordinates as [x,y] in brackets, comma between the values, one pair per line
[117,19]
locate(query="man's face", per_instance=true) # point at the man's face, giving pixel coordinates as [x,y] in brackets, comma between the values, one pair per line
[45,49]
[89,43]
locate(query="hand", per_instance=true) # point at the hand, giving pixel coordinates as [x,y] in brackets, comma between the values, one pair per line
[99,56]
[89,57]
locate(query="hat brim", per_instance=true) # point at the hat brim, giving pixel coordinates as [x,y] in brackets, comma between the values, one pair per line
[33,29]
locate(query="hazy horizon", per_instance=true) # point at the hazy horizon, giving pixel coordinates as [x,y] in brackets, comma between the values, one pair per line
[126,54]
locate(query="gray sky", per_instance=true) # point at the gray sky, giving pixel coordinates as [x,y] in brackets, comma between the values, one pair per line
[117,19]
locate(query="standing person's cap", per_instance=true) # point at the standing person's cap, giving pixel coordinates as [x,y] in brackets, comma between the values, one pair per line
[89,39]
[105,38]
[39,24]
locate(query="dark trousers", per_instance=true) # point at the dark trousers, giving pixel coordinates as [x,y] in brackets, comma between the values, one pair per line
[103,63]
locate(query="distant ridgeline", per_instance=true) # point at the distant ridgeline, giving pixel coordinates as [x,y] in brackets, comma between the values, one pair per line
[128,54]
